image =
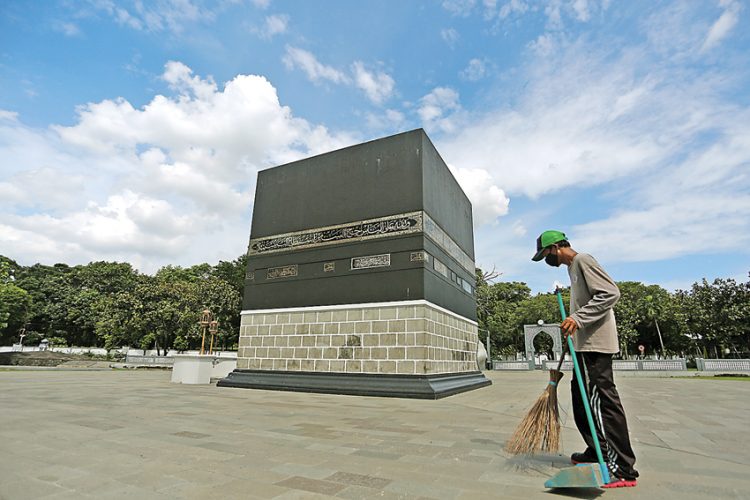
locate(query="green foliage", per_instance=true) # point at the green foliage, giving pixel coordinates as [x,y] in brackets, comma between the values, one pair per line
[181,344]
[15,302]
[57,342]
[498,306]
[705,320]
[717,315]
[110,304]
[147,341]
[642,313]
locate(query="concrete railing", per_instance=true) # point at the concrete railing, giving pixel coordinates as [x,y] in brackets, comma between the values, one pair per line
[222,362]
[149,360]
[631,365]
[551,364]
[662,364]
[732,365]
[513,365]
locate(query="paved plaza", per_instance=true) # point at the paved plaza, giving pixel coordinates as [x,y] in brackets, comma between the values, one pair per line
[133,434]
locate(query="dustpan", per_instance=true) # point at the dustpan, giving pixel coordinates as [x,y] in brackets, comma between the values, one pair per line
[582,475]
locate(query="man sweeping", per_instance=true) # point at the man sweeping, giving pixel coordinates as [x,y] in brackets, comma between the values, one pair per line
[593,295]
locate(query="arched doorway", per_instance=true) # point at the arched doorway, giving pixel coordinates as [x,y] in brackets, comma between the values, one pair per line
[531,331]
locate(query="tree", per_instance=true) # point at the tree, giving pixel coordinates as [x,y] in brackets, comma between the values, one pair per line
[497,305]
[224,302]
[69,302]
[718,315]
[628,315]
[649,315]
[233,272]
[166,307]
[15,303]
[49,288]
[118,323]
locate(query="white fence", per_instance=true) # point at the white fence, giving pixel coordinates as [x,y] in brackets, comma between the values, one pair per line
[513,365]
[730,365]
[100,351]
[678,364]
[149,360]
[65,350]
[168,360]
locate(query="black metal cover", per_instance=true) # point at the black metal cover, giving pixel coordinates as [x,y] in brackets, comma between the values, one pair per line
[380,221]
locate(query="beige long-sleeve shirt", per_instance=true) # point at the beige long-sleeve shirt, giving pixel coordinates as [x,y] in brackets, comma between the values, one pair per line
[593,295]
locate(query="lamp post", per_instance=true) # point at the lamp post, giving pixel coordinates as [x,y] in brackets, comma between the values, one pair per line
[21,335]
[213,327]
[204,322]
[488,363]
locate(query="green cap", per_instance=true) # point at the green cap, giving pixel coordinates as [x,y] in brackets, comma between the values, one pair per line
[546,239]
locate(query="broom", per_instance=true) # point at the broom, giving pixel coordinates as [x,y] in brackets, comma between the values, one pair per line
[540,428]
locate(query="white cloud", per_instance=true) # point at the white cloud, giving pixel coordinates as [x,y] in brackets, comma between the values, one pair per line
[169,182]
[475,70]
[581,9]
[126,223]
[554,15]
[165,15]
[315,71]
[666,146]
[436,108]
[670,228]
[701,202]
[563,131]
[67,28]
[488,201]
[555,11]
[450,36]
[391,120]
[8,115]
[498,246]
[513,7]
[676,31]
[180,78]
[519,229]
[721,28]
[459,7]
[377,86]
[274,25]
[261,4]
[544,45]
[33,189]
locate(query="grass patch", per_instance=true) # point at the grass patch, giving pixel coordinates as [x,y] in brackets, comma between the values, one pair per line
[724,376]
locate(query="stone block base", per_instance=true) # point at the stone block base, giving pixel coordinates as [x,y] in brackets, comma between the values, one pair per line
[410,338]
[358,384]
[410,349]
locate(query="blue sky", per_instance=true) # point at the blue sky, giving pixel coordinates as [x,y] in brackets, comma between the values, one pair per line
[134,130]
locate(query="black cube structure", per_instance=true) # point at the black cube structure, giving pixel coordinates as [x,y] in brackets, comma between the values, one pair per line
[361,276]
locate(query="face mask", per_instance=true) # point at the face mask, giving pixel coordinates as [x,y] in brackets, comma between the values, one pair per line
[552,260]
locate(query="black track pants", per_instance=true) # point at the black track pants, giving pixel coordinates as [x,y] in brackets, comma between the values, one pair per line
[606,409]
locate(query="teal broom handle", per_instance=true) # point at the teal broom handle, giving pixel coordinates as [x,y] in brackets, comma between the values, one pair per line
[584,396]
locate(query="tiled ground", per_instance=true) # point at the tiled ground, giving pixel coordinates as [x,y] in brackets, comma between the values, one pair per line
[132,434]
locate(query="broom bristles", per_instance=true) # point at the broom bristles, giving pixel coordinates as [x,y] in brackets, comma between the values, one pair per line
[540,428]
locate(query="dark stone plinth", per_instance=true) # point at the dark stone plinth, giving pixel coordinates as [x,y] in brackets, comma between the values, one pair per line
[358,384]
